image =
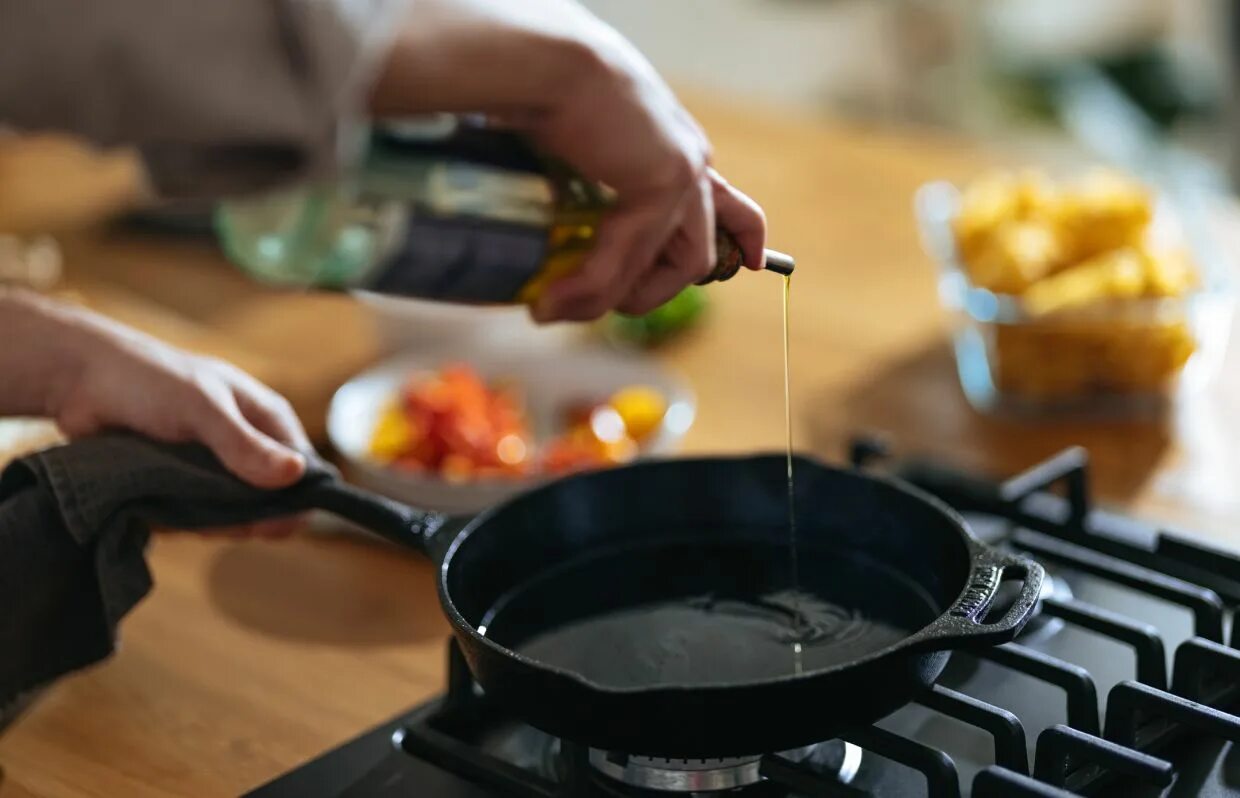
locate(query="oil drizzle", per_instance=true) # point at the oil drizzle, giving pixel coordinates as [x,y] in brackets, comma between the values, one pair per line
[798,626]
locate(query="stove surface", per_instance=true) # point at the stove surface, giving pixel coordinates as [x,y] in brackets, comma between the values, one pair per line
[1122,685]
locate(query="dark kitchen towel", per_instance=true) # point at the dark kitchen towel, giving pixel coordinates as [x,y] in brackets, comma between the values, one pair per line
[74,523]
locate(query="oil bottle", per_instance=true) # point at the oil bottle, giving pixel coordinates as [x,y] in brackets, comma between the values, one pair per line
[445,209]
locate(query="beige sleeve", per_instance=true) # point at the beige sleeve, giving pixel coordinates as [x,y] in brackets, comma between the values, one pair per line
[220,96]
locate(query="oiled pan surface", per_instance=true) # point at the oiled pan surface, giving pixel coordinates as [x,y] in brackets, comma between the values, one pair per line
[694,614]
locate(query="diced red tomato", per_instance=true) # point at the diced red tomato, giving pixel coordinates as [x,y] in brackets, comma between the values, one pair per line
[454,425]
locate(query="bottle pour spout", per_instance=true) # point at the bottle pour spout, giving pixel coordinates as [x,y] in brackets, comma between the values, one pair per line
[779,263]
[731,259]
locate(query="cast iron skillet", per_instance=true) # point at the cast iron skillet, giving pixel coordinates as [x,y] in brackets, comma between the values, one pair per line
[908,579]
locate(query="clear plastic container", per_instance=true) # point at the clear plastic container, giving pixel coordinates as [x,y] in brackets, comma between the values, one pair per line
[1121,357]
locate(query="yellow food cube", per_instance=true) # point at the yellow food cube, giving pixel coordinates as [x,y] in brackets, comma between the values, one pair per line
[1168,273]
[1102,211]
[985,204]
[1036,194]
[1000,197]
[1017,255]
[1115,275]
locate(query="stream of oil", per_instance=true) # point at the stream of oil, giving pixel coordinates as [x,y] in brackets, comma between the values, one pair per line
[798,633]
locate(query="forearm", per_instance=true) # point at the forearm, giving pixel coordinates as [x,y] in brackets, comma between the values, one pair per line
[41,347]
[487,56]
[47,346]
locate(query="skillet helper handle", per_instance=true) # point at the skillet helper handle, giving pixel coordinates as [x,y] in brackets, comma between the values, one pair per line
[399,523]
[962,623]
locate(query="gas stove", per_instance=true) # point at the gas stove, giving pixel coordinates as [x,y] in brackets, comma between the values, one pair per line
[1123,684]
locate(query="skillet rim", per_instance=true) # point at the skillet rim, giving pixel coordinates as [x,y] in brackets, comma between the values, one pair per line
[461,626]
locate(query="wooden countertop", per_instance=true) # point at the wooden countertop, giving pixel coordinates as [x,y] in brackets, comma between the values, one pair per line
[251,657]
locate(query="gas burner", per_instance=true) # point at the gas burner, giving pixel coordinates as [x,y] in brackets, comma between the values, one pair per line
[678,775]
[662,774]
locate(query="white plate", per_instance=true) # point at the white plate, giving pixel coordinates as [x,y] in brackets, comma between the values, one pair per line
[549,381]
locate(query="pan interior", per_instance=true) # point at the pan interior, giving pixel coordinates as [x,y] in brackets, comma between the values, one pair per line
[657,613]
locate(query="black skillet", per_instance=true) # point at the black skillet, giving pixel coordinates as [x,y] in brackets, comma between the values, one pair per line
[905,580]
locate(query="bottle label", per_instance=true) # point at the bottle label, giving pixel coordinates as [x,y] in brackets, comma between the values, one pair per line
[462,259]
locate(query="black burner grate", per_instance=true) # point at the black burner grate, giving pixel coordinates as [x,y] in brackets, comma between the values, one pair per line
[1142,717]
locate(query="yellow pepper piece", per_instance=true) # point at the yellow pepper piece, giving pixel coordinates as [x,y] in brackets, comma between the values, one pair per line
[642,409]
[392,436]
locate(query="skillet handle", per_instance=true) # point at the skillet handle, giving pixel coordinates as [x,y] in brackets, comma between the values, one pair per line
[397,522]
[961,624]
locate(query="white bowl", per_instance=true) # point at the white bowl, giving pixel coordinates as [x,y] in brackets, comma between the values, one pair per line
[549,380]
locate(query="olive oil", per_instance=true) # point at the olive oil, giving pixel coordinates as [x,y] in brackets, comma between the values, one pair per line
[798,630]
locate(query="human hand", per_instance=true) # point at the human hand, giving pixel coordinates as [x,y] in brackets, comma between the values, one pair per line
[624,128]
[585,95]
[89,374]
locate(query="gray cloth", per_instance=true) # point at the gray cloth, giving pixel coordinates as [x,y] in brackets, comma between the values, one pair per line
[74,524]
[219,96]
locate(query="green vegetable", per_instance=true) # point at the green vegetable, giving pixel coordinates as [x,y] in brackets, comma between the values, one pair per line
[664,322]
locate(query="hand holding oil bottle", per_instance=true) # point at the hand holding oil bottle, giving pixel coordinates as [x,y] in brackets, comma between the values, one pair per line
[587,188]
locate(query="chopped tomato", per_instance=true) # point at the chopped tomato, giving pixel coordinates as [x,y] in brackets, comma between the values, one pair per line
[453,425]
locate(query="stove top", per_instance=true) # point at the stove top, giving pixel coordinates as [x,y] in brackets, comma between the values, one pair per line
[1123,684]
